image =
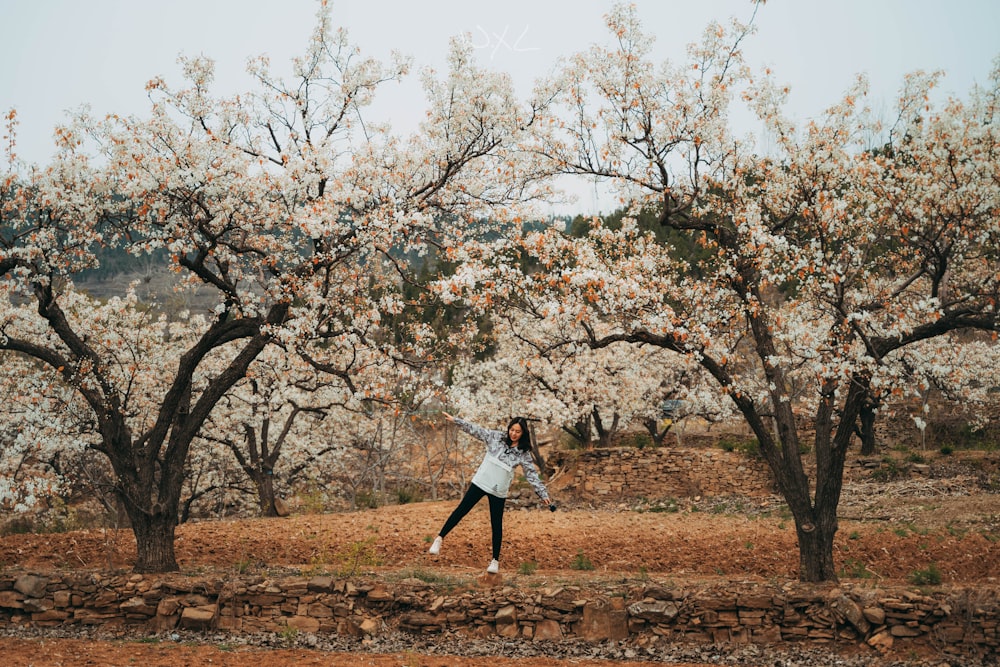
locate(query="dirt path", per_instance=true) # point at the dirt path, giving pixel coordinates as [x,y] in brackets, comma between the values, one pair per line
[579,541]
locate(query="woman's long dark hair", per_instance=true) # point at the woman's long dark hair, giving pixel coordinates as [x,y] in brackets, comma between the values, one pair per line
[524,444]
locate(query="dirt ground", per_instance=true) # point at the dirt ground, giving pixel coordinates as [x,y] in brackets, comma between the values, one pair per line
[956,532]
[80,653]
[887,532]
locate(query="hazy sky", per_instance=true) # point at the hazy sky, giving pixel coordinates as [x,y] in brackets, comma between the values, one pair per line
[58,54]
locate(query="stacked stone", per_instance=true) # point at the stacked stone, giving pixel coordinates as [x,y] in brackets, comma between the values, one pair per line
[956,620]
[668,472]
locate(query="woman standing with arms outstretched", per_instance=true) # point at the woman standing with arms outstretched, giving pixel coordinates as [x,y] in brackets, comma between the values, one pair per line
[504,451]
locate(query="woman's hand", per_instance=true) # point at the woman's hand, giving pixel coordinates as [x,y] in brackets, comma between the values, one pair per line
[447,416]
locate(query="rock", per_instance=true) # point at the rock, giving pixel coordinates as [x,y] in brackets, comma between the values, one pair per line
[168,606]
[905,631]
[380,594]
[875,615]
[198,618]
[303,623]
[601,622]
[658,611]
[320,584]
[510,630]
[137,606]
[35,605]
[32,586]
[488,580]
[506,615]
[882,641]
[370,626]
[547,630]
[850,610]
[11,600]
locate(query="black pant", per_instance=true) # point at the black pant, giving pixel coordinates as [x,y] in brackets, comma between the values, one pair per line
[472,496]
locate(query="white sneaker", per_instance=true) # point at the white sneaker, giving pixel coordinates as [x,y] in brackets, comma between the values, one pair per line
[494,566]
[435,547]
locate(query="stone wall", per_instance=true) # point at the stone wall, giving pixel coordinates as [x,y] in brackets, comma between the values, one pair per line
[662,472]
[956,621]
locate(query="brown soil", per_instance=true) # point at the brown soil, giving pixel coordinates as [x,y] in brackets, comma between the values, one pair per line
[77,653]
[938,522]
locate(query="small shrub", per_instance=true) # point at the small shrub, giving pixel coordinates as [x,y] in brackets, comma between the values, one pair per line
[319,563]
[356,555]
[19,525]
[528,567]
[408,494]
[428,576]
[855,569]
[581,562]
[927,577]
[313,501]
[947,450]
[889,470]
[567,441]
[243,566]
[367,500]
[749,447]
[669,505]
[752,448]
[992,483]
[638,439]
[57,518]
[956,530]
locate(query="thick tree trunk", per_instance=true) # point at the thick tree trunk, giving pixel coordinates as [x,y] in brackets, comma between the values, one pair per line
[264,482]
[154,539]
[605,436]
[815,521]
[816,550]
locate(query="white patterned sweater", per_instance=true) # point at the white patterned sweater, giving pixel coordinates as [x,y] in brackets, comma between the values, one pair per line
[497,448]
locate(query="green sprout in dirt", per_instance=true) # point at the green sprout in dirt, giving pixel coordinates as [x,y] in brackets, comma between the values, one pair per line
[581,562]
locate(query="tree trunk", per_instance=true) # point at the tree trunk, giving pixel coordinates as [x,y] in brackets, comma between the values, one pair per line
[536,453]
[816,550]
[264,481]
[154,539]
[581,432]
[653,428]
[815,524]
[868,428]
[605,435]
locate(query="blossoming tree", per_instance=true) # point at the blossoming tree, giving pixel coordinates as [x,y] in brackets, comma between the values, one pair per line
[823,261]
[575,388]
[269,418]
[302,217]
